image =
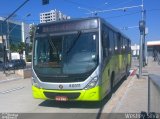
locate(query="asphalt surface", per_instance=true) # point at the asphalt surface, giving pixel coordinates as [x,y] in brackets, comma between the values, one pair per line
[130,96]
[16,97]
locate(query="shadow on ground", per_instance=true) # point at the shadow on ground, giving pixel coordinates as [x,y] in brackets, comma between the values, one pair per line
[99,115]
[73,104]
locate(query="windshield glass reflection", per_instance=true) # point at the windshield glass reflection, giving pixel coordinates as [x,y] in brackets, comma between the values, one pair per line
[66,54]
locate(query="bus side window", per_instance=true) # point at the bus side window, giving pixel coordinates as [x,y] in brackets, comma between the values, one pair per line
[119,43]
[129,46]
[126,46]
[111,40]
[105,41]
[122,50]
[105,44]
[116,42]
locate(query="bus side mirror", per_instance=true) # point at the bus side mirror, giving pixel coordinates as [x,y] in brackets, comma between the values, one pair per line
[60,56]
[94,57]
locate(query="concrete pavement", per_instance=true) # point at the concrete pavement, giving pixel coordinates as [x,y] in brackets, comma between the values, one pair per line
[130,96]
[10,75]
[135,98]
[153,67]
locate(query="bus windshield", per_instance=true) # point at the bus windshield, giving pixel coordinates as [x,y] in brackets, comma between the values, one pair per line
[73,53]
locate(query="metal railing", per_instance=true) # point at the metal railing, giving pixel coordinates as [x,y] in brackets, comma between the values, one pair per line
[154,93]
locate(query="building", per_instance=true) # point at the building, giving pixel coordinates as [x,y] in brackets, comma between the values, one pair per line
[135,50]
[17,32]
[153,46]
[52,15]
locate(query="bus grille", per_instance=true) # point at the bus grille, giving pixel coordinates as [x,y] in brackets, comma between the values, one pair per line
[62,79]
[52,95]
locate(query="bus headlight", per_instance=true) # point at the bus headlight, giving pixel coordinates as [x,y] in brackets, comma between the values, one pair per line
[34,82]
[92,83]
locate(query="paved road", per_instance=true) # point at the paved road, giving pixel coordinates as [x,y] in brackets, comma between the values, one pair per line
[135,99]
[16,97]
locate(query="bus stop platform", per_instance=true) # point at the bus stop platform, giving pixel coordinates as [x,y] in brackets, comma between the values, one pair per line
[135,95]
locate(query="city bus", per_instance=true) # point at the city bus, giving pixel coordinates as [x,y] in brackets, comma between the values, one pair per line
[78,59]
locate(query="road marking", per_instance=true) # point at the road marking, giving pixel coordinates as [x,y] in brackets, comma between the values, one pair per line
[8,80]
[11,90]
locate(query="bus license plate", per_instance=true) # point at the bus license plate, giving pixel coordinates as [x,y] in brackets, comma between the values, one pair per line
[61,98]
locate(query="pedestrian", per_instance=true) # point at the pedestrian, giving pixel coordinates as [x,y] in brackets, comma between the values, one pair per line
[155,54]
[158,57]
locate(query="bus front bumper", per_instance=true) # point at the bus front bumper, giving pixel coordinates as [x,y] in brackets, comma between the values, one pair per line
[92,94]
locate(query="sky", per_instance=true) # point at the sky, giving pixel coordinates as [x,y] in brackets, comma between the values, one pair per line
[119,19]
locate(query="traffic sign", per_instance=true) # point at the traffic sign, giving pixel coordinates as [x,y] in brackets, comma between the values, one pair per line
[45,2]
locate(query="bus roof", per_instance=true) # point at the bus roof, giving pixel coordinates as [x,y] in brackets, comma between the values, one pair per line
[81,19]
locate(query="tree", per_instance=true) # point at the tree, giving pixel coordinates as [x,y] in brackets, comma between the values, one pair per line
[13,48]
[21,47]
[32,32]
[30,48]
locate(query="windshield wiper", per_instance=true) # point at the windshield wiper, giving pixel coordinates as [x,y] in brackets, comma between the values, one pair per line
[74,42]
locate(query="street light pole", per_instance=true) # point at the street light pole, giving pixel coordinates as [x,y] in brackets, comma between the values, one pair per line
[142,40]
[8,42]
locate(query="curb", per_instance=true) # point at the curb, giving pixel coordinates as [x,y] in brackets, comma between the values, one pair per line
[124,91]
[116,99]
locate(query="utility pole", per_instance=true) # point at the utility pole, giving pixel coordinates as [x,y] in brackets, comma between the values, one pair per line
[8,41]
[142,39]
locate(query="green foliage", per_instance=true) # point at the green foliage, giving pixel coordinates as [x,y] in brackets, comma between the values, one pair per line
[20,47]
[13,48]
[30,48]
[32,32]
